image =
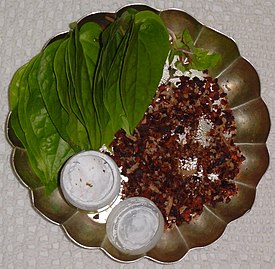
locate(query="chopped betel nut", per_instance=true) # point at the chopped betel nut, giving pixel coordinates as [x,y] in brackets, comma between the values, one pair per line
[182,154]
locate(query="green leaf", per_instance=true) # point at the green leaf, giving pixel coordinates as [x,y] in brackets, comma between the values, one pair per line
[87,51]
[70,59]
[197,58]
[47,84]
[76,130]
[42,139]
[23,95]
[14,88]
[187,40]
[112,98]
[144,60]
[107,97]
[53,149]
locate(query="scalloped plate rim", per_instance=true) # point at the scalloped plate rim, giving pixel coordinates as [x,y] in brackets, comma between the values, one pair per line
[14,147]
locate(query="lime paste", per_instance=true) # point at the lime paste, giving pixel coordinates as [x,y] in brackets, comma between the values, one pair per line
[135,225]
[90,180]
[136,228]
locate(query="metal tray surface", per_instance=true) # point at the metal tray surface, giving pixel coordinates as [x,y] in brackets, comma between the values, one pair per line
[240,81]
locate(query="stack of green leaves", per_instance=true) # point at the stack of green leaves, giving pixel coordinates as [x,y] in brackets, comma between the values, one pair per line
[81,89]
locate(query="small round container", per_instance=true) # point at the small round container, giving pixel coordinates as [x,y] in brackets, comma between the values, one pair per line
[135,225]
[90,180]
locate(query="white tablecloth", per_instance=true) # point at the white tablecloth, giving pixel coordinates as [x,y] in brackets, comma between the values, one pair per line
[29,241]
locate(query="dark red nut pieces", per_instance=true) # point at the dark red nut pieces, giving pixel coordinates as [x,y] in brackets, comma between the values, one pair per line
[182,154]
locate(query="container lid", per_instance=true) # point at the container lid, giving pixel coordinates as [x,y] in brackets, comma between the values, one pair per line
[135,225]
[90,180]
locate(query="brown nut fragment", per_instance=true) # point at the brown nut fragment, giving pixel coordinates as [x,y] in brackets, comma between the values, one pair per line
[182,154]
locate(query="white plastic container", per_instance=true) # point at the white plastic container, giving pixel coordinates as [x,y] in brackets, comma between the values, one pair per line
[135,225]
[90,180]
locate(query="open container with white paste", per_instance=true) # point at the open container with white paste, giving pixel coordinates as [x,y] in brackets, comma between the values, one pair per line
[135,225]
[90,180]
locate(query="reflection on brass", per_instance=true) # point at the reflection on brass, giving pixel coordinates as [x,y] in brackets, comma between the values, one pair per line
[240,81]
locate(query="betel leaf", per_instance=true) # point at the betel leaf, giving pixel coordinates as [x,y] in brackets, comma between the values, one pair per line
[62,81]
[112,98]
[115,31]
[102,114]
[77,131]
[106,84]
[85,69]
[144,60]
[55,151]
[47,84]
[46,150]
[14,88]
[89,46]
[52,82]
[70,59]
[23,94]
[112,37]
[89,35]
[33,153]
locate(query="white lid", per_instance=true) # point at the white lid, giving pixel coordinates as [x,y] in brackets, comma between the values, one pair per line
[135,225]
[90,180]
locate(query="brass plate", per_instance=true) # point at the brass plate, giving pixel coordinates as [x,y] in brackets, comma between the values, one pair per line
[240,81]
